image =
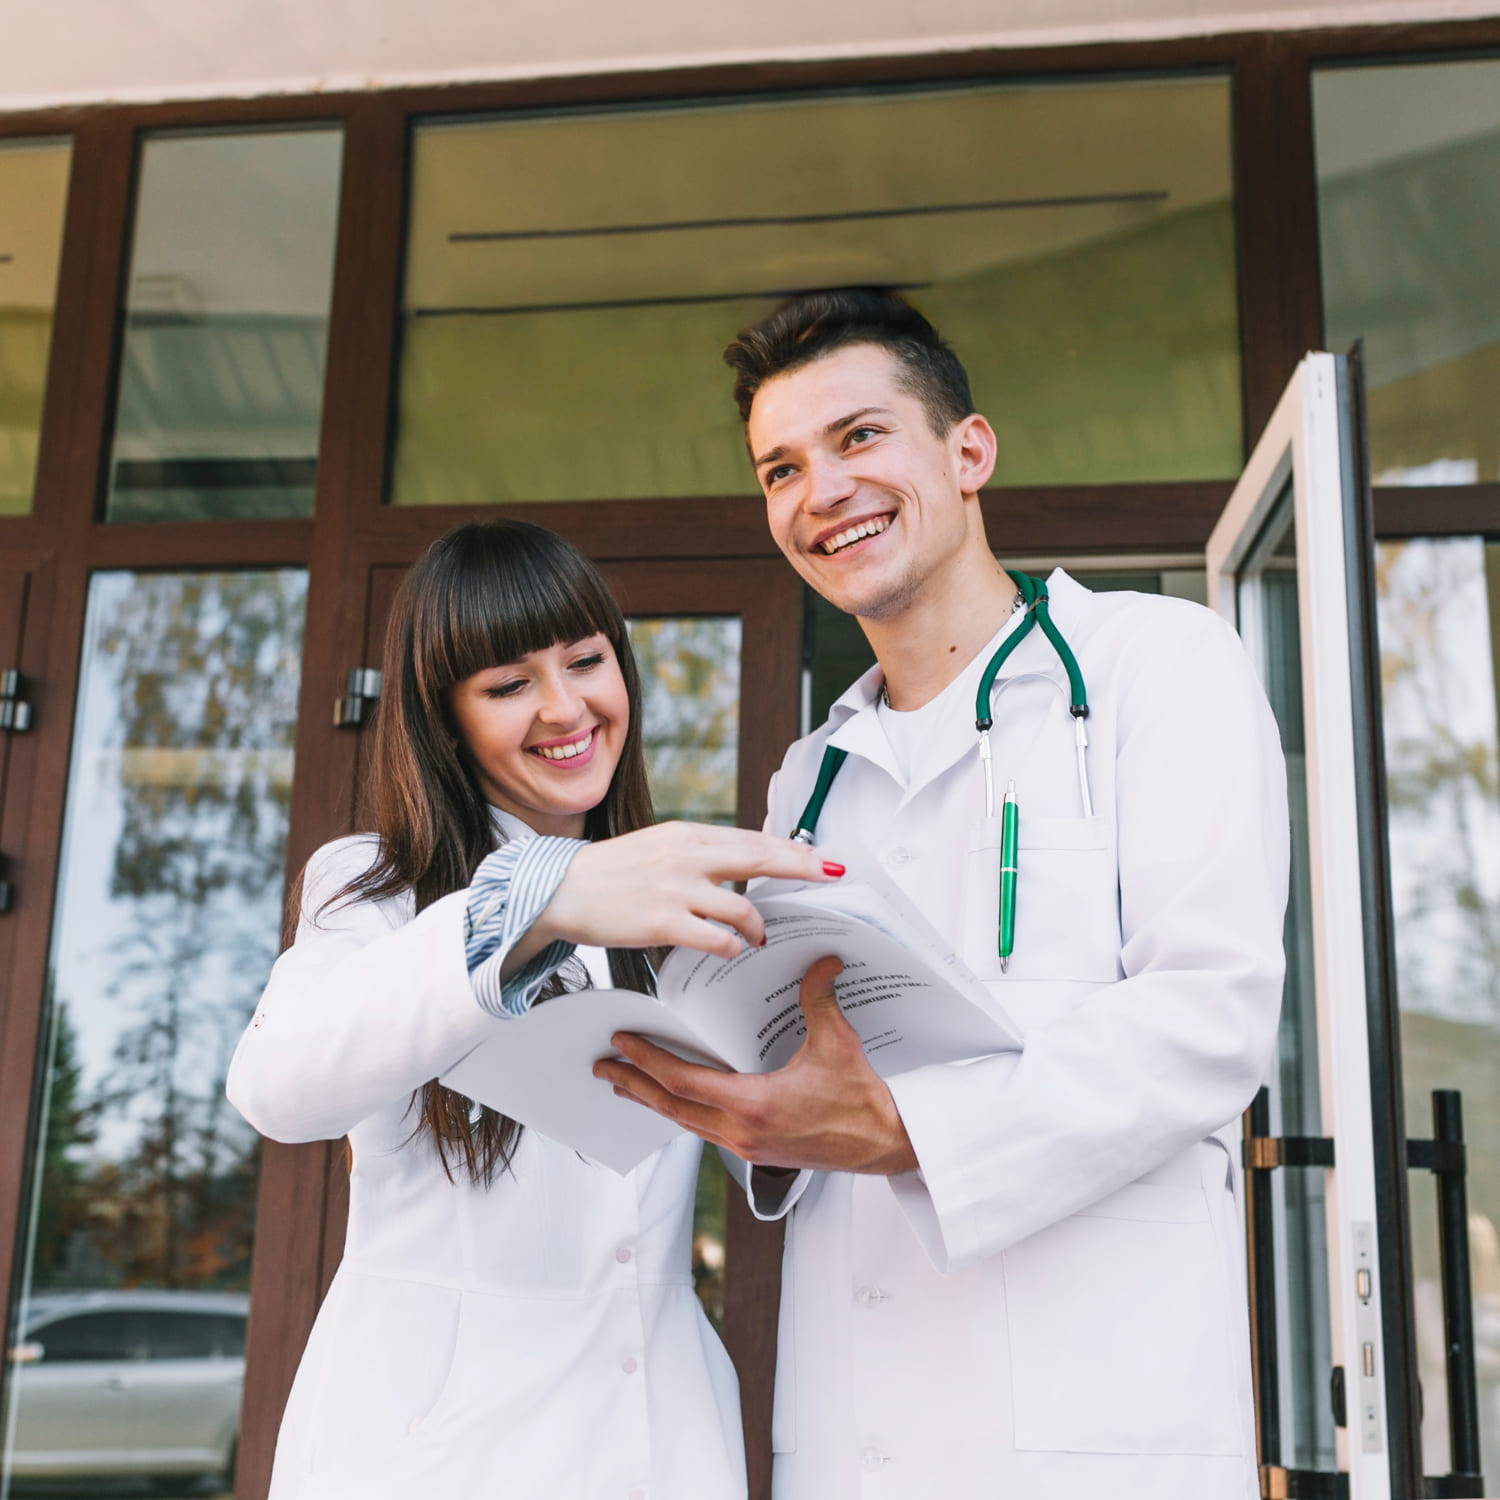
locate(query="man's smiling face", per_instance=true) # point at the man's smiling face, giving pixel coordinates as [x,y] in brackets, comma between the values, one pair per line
[863,497]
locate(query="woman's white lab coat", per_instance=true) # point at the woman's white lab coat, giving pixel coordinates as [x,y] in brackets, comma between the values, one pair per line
[539,1339]
[1054,1305]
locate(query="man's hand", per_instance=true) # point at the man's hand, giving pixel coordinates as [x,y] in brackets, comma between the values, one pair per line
[826,1109]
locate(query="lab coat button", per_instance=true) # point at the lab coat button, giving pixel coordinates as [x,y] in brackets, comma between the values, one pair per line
[872,1459]
[629,1365]
[899,854]
[623,1255]
[870,1296]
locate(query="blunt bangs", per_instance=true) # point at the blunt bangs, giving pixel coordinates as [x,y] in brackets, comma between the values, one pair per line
[500,590]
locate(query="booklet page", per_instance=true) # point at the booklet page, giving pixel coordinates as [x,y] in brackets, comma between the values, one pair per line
[908,997]
[909,1007]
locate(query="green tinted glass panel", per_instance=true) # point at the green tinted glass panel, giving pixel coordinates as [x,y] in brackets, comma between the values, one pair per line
[33,198]
[1439,615]
[571,280]
[226,326]
[1409,228]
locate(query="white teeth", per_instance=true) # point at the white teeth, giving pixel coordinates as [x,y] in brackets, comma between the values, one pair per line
[855,534]
[566,752]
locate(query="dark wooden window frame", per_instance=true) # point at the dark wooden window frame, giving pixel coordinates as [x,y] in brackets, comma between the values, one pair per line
[62,541]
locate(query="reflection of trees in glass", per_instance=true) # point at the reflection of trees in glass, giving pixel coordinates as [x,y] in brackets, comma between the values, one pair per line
[690,682]
[64,1208]
[1444,782]
[197,677]
[1441,757]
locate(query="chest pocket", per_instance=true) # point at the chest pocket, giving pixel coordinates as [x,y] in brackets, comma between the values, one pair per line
[1067,901]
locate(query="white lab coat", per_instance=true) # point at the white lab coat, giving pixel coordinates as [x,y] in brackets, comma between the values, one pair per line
[539,1339]
[1054,1305]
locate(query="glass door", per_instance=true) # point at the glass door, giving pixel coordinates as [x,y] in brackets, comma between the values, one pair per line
[1291,564]
[1325,1200]
[125,1351]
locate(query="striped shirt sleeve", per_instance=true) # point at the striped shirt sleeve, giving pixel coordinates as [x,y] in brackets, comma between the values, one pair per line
[508,891]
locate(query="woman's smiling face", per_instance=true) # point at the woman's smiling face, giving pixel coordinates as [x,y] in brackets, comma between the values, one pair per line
[543,735]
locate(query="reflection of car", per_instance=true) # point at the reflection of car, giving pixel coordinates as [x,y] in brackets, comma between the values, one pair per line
[128,1383]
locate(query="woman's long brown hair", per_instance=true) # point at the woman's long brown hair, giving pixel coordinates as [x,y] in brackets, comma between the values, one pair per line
[483,595]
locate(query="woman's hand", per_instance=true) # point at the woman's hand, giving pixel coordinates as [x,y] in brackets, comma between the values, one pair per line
[661,887]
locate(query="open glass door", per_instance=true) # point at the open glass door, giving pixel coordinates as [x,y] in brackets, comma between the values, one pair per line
[1290,565]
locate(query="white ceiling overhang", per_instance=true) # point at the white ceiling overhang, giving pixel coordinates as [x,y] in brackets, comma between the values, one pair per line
[94,51]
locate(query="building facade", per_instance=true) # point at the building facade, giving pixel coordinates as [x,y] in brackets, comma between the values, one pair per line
[282,302]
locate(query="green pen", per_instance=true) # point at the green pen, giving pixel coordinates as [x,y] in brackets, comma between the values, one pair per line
[1010,818]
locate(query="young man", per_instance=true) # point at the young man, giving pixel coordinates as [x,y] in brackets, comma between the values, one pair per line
[1016,1277]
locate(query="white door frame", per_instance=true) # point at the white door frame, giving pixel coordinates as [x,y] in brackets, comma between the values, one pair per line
[1303,443]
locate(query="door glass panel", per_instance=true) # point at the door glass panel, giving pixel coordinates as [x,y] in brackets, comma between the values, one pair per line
[1268,608]
[1408,163]
[226,326]
[167,922]
[571,279]
[690,686]
[690,692]
[33,199]
[1439,651]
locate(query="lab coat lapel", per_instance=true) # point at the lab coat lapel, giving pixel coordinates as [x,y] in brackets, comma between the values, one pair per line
[856,726]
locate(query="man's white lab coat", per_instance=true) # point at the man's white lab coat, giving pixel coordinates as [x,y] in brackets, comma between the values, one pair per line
[1053,1306]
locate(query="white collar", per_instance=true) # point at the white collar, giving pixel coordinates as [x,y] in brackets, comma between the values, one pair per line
[855,726]
[508,826]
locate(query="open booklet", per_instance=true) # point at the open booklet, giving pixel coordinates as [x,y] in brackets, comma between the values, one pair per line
[908,996]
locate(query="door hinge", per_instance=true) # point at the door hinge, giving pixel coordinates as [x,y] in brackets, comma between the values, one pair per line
[362,695]
[15,711]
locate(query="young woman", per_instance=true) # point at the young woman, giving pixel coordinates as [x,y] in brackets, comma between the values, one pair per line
[509,1319]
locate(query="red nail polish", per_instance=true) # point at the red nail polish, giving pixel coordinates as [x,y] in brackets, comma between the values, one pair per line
[762,942]
[830,868]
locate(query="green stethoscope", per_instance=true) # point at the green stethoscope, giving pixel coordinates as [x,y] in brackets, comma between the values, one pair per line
[1033,596]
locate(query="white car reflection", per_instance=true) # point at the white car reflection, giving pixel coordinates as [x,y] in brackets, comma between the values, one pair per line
[117,1384]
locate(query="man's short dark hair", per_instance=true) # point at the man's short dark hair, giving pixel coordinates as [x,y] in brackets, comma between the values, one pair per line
[813,324]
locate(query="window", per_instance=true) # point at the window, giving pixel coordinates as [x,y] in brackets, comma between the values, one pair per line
[1409,228]
[193,1335]
[33,197]
[92,1336]
[572,278]
[226,326]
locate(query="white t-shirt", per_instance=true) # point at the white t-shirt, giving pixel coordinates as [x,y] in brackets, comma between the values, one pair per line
[908,731]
